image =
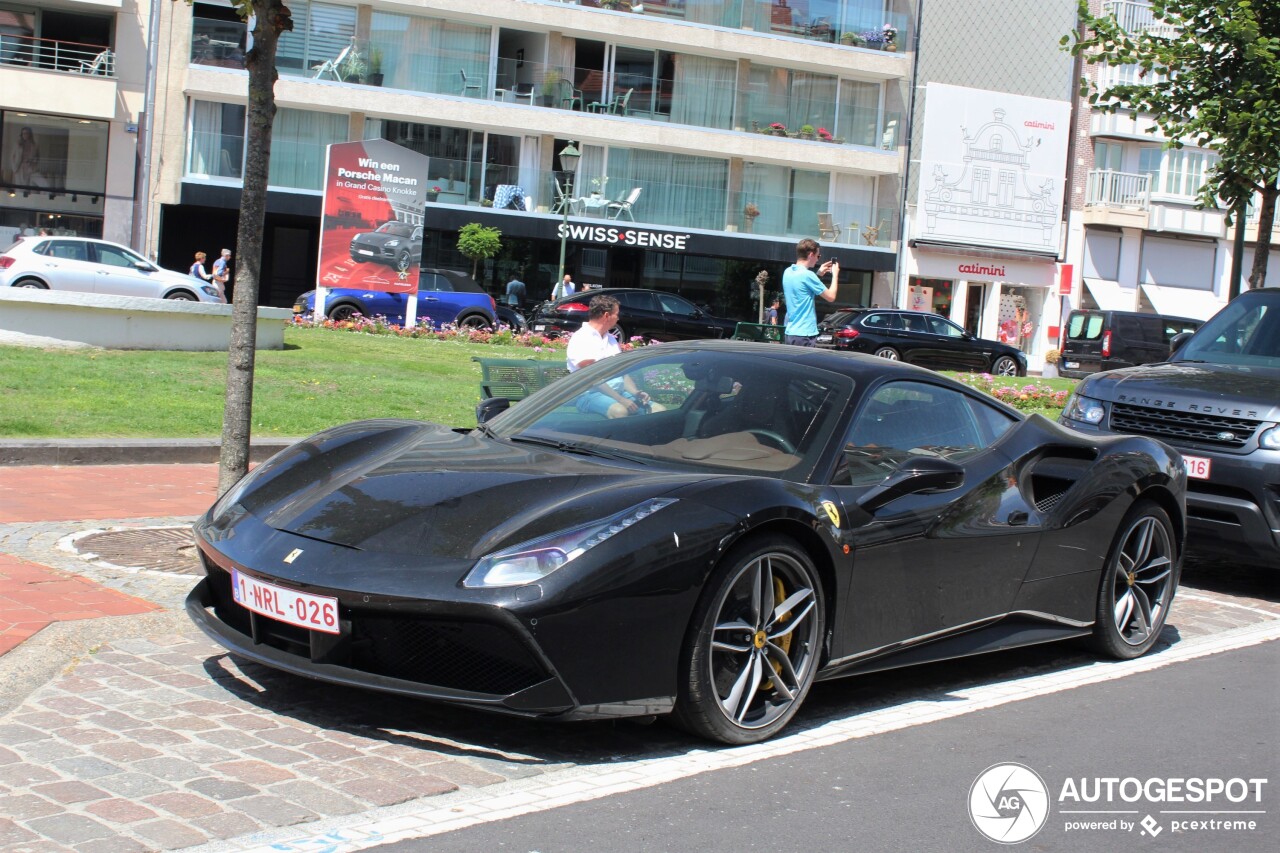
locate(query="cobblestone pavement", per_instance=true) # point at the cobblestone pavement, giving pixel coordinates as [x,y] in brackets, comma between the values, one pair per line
[135,733]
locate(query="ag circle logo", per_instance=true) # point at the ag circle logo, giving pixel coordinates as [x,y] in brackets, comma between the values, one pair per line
[1008,803]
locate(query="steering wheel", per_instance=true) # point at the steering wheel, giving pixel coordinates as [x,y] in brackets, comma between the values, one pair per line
[775,439]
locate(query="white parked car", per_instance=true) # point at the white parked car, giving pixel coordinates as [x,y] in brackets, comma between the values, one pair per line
[96,266]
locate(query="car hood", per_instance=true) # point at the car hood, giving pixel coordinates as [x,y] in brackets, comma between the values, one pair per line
[1230,390]
[405,487]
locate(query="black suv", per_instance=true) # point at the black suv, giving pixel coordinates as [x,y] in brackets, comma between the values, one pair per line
[1107,340]
[918,337]
[1217,400]
[645,313]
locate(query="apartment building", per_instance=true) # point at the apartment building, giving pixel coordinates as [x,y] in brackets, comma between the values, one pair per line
[1137,241]
[713,134]
[72,91]
[991,140]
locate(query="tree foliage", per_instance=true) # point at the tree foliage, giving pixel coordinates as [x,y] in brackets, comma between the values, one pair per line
[1209,75]
[478,243]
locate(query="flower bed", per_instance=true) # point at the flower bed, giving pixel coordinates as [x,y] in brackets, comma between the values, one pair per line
[502,336]
[1029,396]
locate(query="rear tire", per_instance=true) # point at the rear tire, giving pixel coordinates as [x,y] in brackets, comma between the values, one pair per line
[182,296]
[1004,366]
[342,312]
[31,283]
[619,333]
[1138,583]
[889,353]
[473,322]
[748,661]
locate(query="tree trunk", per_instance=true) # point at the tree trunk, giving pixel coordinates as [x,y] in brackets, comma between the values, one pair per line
[1266,219]
[272,18]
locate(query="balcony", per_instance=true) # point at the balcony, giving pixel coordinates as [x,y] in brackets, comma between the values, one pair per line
[1137,17]
[218,43]
[66,57]
[1117,198]
[42,74]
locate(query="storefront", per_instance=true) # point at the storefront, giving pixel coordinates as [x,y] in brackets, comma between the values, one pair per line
[53,175]
[715,269]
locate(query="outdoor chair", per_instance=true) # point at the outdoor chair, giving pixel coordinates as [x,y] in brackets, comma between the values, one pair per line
[563,202]
[615,209]
[330,66]
[871,234]
[623,104]
[467,85]
[570,98]
[524,91]
[98,66]
[827,228]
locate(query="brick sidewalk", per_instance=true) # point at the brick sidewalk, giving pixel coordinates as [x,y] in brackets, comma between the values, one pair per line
[34,596]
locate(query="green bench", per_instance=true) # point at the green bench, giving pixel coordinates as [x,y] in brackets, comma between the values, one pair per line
[757,332]
[515,378]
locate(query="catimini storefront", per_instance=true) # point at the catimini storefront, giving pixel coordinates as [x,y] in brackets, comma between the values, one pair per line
[1013,300]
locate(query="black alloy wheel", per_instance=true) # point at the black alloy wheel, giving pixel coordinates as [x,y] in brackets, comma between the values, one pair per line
[473,322]
[1005,366]
[754,644]
[1138,583]
[619,333]
[342,312]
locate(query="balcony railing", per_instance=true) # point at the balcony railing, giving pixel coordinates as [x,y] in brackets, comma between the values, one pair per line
[1118,190]
[1137,17]
[54,55]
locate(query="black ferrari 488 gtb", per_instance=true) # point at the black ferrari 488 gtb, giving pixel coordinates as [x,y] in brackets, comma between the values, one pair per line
[770,517]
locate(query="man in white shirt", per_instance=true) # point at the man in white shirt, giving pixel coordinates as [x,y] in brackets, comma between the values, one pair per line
[616,398]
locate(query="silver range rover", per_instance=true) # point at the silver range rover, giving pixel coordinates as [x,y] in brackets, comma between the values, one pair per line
[1217,401]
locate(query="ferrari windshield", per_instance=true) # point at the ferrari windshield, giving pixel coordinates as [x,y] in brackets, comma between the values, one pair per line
[723,412]
[1246,332]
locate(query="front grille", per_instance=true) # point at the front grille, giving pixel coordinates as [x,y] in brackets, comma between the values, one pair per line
[1205,429]
[477,657]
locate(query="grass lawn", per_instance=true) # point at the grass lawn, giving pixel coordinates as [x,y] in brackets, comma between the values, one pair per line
[321,378]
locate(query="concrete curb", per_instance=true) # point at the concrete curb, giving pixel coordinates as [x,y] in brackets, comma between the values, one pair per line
[127,451]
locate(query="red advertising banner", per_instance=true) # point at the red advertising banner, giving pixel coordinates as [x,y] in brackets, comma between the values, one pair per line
[1066,278]
[375,193]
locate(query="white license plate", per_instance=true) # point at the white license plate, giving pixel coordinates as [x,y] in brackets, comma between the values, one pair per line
[539,328]
[364,252]
[1197,467]
[824,339]
[1071,365]
[315,612]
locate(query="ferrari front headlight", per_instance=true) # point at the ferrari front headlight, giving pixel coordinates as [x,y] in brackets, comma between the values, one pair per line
[534,560]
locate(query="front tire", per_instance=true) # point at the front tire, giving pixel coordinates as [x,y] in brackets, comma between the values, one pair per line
[889,353]
[754,644]
[1138,583]
[1004,366]
[619,334]
[342,312]
[182,296]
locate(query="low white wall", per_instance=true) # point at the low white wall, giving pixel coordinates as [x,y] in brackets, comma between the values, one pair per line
[126,322]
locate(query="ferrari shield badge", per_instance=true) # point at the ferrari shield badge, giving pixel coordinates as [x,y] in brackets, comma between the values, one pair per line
[832,512]
[295,553]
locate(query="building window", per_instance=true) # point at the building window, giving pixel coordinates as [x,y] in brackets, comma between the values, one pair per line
[1184,172]
[216,149]
[432,55]
[299,141]
[675,189]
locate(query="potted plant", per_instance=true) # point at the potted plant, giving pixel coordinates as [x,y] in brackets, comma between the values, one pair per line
[890,34]
[778,129]
[551,87]
[354,68]
[806,131]
[873,39]
[433,193]
[749,214]
[851,39]
[1051,359]
[375,66]
[825,135]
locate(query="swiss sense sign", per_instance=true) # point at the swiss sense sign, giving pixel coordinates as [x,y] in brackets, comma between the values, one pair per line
[610,236]
[1033,273]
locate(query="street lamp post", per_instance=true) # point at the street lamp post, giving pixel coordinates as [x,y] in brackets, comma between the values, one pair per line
[568,162]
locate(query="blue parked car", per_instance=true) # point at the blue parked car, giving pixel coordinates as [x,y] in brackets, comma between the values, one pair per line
[444,296]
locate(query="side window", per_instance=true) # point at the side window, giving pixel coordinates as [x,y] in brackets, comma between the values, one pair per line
[72,250]
[433,281]
[638,301]
[942,327]
[905,419]
[1128,330]
[881,321]
[113,257]
[915,323]
[676,305]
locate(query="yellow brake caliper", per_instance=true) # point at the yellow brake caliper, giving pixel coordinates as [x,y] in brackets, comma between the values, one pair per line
[784,642]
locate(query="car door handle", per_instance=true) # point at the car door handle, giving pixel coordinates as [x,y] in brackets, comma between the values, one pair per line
[1017,517]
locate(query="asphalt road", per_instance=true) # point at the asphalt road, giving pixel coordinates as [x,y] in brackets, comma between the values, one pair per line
[1213,717]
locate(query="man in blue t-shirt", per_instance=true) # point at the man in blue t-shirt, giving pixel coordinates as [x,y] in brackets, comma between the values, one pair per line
[801,286]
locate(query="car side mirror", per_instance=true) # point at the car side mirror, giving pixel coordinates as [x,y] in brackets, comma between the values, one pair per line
[143,265]
[1176,342]
[920,475]
[489,407]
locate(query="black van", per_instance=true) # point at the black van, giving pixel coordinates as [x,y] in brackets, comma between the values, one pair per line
[1107,340]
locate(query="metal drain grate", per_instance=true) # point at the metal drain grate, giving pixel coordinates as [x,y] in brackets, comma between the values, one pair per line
[164,549]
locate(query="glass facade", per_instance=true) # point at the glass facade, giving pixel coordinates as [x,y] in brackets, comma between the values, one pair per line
[53,174]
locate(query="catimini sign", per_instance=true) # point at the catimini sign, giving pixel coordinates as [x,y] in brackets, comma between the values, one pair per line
[624,236]
[928,264]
